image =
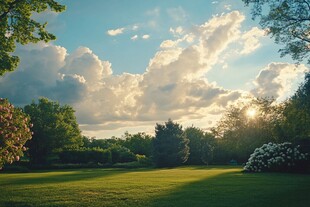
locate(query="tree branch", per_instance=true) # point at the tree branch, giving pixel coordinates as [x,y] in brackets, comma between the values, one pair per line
[308,4]
[11,6]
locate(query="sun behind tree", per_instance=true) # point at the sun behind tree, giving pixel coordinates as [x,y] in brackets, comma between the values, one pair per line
[251,113]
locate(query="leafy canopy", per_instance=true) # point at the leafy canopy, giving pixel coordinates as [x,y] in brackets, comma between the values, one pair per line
[288,22]
[17,26]
[55,129]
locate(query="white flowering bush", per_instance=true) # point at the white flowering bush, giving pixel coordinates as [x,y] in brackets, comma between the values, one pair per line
[276,157]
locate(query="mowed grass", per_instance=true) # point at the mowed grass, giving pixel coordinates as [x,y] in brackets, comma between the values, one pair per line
[183,186]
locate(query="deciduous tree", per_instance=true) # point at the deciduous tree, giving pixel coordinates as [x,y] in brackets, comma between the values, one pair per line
[55,129]
[17,26]
[288,22]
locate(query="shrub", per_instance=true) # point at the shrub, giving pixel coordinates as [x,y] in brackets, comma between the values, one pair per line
[14,132]
[273,157]
[121,154]
[85,155]
[144,160]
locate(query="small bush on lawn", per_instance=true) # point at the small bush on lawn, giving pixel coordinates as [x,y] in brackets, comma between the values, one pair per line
[121,154]
[273,157]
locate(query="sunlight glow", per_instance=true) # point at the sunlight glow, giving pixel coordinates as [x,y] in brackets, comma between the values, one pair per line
[251,113]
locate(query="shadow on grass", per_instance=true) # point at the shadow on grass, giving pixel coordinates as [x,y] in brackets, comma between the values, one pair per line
[240,189]
[62,176]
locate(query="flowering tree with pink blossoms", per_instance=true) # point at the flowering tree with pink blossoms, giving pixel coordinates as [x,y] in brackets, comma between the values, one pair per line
[14,132]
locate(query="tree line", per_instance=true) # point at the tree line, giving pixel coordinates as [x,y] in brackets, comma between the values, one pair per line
[243,128]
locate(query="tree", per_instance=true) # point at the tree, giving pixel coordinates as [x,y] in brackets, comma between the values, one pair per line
[170,145]
[287,21]
[247,126]
[296,126]
[55,129]
[207,148]
[201,146]
[139,143]
[17,26]
[195,136]
[14,132]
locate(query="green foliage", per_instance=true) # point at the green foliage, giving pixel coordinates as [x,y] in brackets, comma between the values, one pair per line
[101,143]
[14,132]
[143,160]
[139,143]
[287,21]
[121,154]
[85,155]
[170,145]
[195,137]
[296,126]
[17,26]
[201,146]
[55,129]
[207,148]
[239,134]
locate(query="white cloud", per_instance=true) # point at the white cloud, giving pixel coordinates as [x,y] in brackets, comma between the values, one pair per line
[217,34]
[227,7]
[135,27]
[114,32]
[169,43]
[250,40]
[177,14]
[277,79]
[146,36]
[174,84]
[177,31]
[135,37]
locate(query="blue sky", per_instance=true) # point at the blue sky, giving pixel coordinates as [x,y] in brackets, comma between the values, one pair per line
[126,65]
[86,24]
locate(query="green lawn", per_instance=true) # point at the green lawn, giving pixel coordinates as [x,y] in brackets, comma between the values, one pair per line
[184,186]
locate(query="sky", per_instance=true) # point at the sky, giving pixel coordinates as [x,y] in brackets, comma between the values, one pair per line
[127,65]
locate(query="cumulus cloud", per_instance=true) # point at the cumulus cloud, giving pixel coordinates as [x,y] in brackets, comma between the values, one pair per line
[169,43]
[217,34]
[115,32]
[174,84]
[250,40]
[277,79]
[177,31]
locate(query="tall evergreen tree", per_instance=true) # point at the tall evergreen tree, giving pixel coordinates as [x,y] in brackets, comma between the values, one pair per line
[170,145]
